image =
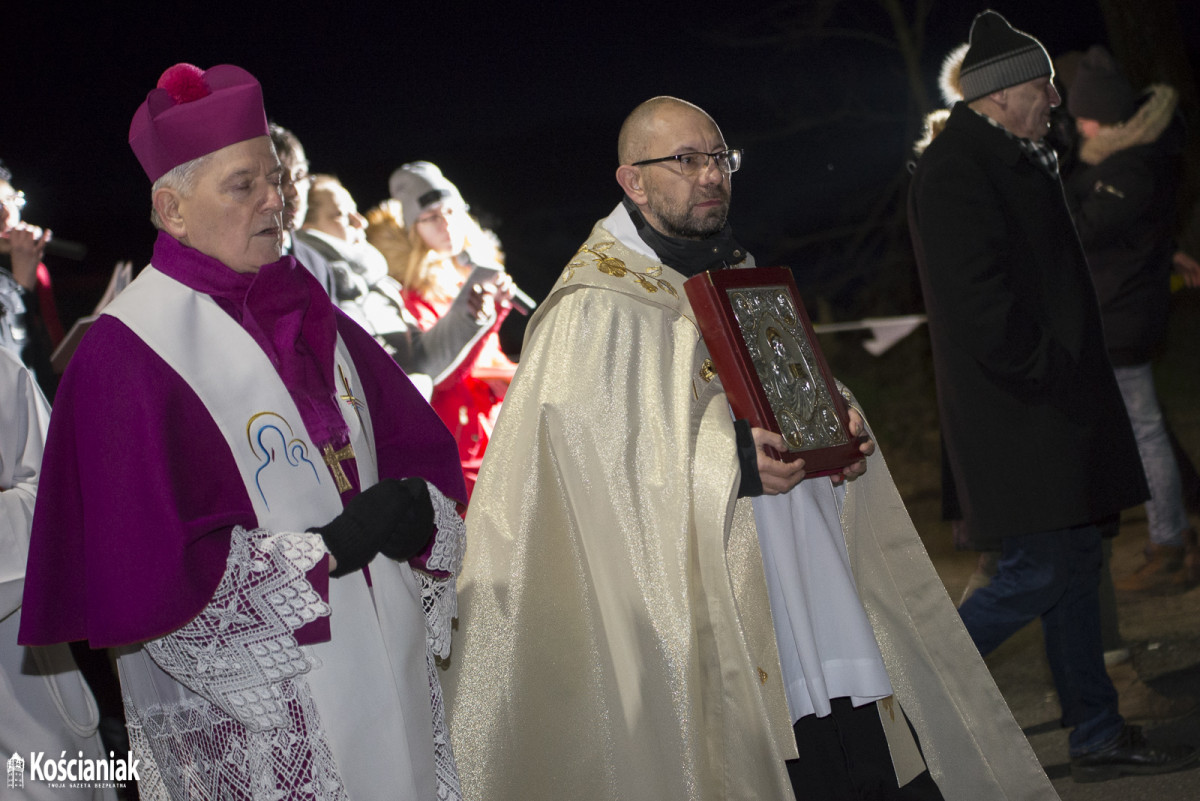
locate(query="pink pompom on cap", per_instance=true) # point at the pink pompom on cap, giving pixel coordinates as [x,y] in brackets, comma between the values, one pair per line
[184,83]
[193,112]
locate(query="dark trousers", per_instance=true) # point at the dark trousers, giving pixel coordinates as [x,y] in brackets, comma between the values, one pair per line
[1055,576]
[844,757]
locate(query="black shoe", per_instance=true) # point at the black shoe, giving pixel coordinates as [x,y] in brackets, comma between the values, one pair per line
[1131,754]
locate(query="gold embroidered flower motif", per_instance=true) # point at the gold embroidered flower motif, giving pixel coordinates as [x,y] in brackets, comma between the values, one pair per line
[646,285]
[614,267]
[648,280]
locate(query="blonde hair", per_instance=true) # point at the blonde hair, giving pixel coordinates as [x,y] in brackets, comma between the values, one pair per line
[413,263]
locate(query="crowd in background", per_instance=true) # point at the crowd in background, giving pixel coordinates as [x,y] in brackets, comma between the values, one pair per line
[429,284]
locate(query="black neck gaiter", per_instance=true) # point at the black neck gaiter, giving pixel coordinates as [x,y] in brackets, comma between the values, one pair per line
[688,256]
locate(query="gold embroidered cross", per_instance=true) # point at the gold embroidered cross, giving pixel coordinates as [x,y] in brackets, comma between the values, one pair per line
[334,459]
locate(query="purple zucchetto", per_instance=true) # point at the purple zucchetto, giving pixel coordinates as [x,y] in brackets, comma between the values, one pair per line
[194,112]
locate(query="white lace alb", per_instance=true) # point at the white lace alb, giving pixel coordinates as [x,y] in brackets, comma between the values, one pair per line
[251,731]
[439,600]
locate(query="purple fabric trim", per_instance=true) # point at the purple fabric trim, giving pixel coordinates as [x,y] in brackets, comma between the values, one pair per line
[318,630]
[287,313]
[139,493]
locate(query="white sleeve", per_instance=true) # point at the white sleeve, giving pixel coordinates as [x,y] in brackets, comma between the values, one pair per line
[24,417]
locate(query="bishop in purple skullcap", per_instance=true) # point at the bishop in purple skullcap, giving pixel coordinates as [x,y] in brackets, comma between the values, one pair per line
[194,112]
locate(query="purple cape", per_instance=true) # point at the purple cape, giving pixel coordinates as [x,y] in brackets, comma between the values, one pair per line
[139,492]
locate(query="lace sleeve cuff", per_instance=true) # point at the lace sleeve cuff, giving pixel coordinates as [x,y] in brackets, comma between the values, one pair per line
[242,644]
[439,597]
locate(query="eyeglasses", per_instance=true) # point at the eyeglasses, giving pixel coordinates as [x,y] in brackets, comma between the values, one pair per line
[691,164]
[17,200]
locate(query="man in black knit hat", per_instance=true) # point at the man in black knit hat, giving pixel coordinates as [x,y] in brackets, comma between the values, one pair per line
[1038,443]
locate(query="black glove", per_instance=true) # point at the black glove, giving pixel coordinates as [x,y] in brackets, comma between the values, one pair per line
[394,517]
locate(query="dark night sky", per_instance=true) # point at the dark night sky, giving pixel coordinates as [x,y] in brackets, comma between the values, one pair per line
[519,104]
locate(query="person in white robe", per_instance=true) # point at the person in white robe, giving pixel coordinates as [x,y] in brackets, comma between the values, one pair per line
[631,625]
[45,705]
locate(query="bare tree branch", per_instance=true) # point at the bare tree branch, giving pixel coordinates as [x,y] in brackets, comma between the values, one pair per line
[909,51]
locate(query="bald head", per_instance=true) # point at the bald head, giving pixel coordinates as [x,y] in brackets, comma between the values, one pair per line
[331,210]
[648,121]
[688,201]
[321,195]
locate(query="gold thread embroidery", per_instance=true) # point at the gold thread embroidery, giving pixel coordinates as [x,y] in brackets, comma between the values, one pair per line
[707,371]
[334,459]
[264,426]
[648,280]
[291,438]
[349,398]
[762,676]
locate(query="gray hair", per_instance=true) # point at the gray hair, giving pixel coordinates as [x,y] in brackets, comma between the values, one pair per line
[181,178]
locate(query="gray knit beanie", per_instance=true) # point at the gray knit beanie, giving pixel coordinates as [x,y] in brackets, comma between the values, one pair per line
[1000,56]
[419,185]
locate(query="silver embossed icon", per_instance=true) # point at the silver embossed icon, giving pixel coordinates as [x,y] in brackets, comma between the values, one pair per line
[787,367]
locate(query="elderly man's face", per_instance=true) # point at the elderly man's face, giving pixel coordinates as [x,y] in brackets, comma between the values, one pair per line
[335,213]
[1028,111]
[677,205]
[234,211]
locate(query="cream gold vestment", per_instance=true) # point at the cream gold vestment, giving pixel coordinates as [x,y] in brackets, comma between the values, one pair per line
[615,634]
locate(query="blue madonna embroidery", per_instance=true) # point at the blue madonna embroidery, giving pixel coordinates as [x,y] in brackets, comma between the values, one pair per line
[280,453]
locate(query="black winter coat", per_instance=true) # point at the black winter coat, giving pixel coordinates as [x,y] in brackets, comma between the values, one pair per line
[1124,209]
[1036,434]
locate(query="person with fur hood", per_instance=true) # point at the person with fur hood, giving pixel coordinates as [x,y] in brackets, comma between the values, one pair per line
[1122,191]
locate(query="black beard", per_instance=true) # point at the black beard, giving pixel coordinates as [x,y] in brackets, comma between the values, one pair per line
[687,228]
[695,230]
[687,255]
